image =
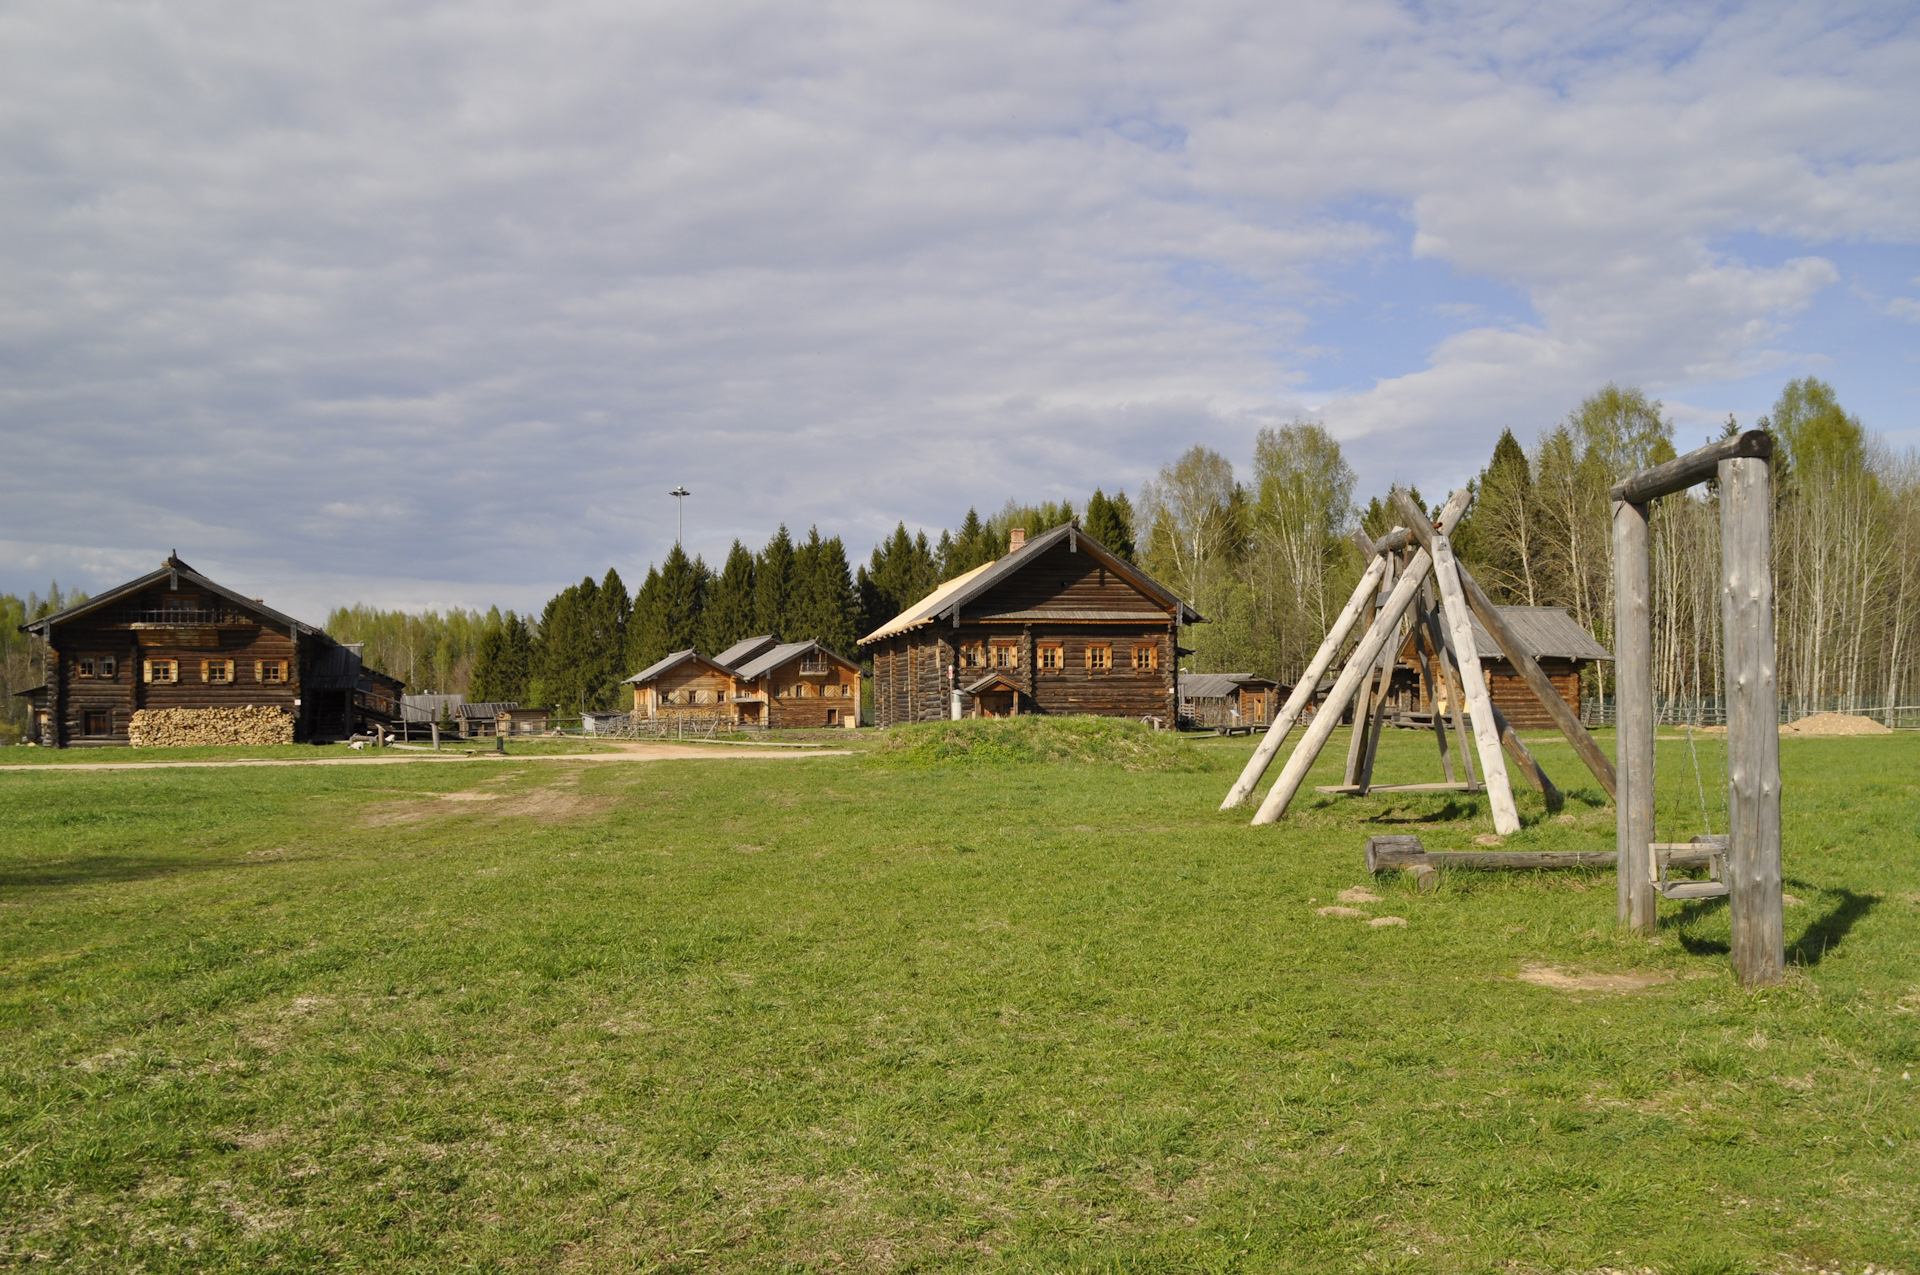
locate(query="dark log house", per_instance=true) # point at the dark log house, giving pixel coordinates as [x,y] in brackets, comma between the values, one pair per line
[1058,625]
[175,639]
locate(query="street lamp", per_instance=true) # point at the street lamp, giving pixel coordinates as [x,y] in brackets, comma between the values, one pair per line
[680,494]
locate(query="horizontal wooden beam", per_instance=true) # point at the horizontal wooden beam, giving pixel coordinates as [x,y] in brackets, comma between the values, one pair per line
[1692,469]
[1387,853]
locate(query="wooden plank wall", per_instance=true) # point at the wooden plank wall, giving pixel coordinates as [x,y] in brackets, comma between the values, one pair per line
[122,695]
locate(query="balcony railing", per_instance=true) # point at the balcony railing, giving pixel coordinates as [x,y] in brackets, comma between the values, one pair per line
[745,699]
[188,617]
[815,668]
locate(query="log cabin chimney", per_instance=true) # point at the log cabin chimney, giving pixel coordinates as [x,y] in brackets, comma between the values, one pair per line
[1016,539]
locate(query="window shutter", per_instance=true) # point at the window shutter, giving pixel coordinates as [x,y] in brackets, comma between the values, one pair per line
[146,670]
[257,664]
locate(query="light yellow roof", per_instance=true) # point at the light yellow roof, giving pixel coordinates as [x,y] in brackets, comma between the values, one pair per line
[923,611]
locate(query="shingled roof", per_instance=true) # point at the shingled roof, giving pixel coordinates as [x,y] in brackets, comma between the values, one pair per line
[1547,633]
[962,589]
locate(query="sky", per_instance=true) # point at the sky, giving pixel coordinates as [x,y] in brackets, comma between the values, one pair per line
[430,305]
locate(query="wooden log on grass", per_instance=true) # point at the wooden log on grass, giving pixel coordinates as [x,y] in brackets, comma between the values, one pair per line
[1453,604]
[1753,715]
[1361,662]
[1385,854]
[1304,689]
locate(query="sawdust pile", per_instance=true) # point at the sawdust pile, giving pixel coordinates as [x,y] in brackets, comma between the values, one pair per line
[1830,724]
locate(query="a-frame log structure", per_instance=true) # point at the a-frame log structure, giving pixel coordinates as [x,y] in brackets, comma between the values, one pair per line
[1417,563]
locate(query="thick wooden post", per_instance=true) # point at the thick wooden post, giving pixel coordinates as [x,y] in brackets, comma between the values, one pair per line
[1486,735]
[1450,678]
[1753,722]
[1430,674]
[1633,692]
[1363,704]
[1303,690]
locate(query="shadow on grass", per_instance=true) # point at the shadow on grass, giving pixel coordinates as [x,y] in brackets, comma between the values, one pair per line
[1827,931]
[97,869]
[1823,934]
[1453,810]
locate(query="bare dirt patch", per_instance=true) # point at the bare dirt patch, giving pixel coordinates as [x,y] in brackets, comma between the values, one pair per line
[1344,913]
[1380,922]
[556,802]
[1358,894]
[1572,981]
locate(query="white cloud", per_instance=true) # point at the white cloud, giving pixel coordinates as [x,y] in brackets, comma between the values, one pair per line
[444,298]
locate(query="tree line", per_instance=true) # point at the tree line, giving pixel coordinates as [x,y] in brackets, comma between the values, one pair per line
[1267,557]
[1269,560]
[22,656]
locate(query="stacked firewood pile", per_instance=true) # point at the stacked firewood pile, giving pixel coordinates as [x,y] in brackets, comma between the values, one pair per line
[176,727]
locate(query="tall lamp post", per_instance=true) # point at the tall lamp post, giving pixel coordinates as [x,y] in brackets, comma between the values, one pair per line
[680,494]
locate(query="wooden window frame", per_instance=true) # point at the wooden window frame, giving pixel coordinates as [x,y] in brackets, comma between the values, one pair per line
[171,668]
[107,668]
[1146,658]
[278,669]
[973,655]
[83,666]
[226,668]
[1006,655]
[1050,657]
[86,713]
[1099,657]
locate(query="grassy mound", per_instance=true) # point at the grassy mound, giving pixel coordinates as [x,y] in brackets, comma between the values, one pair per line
[1030,740]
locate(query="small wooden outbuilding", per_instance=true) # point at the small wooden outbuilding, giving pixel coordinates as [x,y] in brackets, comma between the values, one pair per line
[1227,699]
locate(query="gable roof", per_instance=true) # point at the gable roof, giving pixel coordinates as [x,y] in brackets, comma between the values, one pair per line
[767,661]
[171,571]
[1218,685]
[745,649]
[991,680]
[1547,633]
[957,592]
[668,663]
[486,708]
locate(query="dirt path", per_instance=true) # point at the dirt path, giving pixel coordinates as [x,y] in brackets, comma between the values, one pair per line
[628,752]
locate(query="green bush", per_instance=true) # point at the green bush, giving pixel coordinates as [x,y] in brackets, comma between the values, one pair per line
[1036,740]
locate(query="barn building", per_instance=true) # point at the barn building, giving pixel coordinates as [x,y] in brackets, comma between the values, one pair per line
[1563,649]
[1230,700]
[174,639]
[1058,625]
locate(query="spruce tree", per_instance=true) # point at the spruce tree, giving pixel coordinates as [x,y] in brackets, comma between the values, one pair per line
[1105,524]
[773,586]
[668,616]
[487,683]
[825,608]
[729,612]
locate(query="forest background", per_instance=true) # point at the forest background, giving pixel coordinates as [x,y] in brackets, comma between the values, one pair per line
[1267,558]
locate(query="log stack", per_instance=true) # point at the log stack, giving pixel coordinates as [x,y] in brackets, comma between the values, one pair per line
[181,727]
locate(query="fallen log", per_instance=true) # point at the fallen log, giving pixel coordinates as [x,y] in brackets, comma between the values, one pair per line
[1384,854]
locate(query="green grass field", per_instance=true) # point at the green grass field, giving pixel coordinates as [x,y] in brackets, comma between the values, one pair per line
[959,1000]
